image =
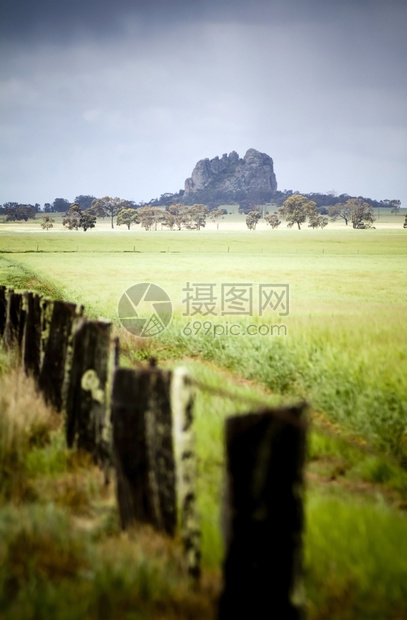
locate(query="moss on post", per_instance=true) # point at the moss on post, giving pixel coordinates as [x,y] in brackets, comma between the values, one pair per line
[86,379]
[182,400]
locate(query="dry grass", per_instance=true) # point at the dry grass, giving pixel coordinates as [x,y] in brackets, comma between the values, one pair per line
[25,422]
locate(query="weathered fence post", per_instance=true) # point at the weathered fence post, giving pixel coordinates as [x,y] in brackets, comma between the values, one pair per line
[59,318]
[3,309]
[116,353]
[182,401]
[15,315]
[142,439]
[31,346]
[85,388]
[264,515]
[47,306]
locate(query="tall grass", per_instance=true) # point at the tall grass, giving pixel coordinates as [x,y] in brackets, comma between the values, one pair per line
[356,560]
[332,368]
[25,422]
[50,568]
[21,277]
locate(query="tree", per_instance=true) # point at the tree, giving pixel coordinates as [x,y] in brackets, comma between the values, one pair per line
[15,212]
[395,205]
[168,220]
[246,205]
[26,212]
[361,213]
[318,221]
[150,217]
[72,218]
[47,222]
[84,201]
[273,220]
[251,219]
[296,209]
[109,206]
[88,219]
[197,217]
[76,218]
[127,217]
[339,211]
[8,205]
[61,205]
[176,215]
[217,214]
[180,216]
[11,212]
[354,210]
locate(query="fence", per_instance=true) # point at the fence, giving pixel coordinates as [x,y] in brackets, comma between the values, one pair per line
[149,440]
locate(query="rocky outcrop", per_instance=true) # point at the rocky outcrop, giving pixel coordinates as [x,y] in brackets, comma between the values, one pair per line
[230,173]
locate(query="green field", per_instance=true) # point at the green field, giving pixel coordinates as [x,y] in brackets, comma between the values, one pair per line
[344,352]
[345,329]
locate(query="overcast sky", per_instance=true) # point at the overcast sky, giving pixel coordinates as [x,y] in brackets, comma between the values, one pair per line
[123,97]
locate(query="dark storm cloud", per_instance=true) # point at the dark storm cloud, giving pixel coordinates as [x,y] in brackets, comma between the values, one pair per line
[65,19]
[124,97]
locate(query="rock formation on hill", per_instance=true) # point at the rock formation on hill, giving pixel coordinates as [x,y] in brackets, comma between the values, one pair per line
[230,173]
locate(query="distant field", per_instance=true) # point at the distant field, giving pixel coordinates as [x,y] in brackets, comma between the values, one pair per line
[346,329]
[344,352]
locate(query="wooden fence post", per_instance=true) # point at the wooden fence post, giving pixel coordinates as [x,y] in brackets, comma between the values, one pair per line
[55,335]
[14,320]
[142,439]
[31,346]
[3,309]
[85,386]
[116,353]
[182,401]
[47,305]
[264,515]
[161,440]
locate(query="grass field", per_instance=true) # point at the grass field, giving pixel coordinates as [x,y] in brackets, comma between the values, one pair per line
[344,352]
[343,349]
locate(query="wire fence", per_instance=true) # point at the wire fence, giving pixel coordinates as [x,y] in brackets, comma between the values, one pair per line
[149,441]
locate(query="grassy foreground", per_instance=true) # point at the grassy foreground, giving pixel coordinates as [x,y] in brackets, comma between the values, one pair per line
[344,352]
[62,554]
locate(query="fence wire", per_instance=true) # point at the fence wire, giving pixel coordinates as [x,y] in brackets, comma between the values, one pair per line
[308,422]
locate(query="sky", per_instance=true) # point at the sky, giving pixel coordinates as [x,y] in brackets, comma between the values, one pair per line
[123,97]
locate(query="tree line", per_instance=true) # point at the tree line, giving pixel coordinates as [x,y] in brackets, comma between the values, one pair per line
[84,212]
[298,209]
[177,216]
[212,199]
[246,199]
